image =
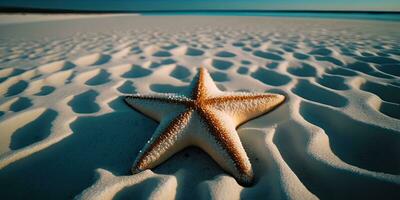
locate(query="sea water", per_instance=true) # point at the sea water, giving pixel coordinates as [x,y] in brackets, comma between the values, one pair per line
[385,16]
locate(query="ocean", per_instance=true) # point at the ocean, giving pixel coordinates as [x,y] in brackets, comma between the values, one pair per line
[384,16]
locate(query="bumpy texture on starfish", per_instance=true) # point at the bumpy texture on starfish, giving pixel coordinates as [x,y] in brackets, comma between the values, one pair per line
[205,117]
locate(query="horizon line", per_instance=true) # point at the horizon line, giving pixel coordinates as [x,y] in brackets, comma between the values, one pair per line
[6,9]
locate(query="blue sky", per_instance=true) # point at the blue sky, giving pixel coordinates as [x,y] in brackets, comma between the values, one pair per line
[388,5]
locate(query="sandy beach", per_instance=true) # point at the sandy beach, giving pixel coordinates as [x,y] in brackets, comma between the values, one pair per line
[65,131]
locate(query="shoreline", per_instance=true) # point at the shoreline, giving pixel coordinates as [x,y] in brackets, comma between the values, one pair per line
[343,15]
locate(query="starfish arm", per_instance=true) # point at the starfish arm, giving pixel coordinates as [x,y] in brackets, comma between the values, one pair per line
[203,86]
[167,140]
[224,146]
[245,106]
[157,105]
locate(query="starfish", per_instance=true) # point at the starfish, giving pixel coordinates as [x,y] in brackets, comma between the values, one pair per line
[207,118]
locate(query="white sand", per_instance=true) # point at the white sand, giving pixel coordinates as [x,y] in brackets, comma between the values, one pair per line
[28,18]
[65,131]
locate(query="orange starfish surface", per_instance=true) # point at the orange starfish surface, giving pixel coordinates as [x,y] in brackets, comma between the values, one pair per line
[206,118]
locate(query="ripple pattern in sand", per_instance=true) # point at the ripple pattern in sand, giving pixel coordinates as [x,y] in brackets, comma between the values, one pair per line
[63,123]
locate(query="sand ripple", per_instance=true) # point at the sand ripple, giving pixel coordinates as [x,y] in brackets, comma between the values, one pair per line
[65,131]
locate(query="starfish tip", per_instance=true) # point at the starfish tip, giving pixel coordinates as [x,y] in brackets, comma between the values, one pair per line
[131,100]
[281,97]
[246,180]
[127,99]
[135,169]
[202,69]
